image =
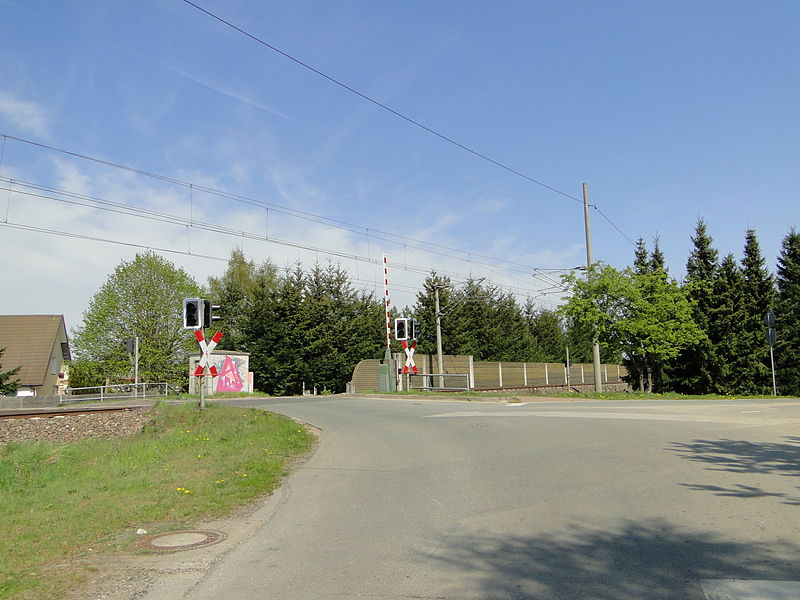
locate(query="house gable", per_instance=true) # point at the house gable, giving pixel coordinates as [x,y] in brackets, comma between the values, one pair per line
[35,343]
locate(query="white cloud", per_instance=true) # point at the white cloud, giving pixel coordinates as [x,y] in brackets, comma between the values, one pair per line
[28,116]
[57,274]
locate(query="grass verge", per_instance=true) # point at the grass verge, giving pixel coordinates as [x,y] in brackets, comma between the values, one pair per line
[58,500]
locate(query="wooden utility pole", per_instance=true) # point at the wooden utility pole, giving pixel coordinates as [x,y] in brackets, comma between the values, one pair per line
[598,383]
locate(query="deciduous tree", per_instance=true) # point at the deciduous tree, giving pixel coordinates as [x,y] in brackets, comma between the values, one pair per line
[644,315]
[142,298]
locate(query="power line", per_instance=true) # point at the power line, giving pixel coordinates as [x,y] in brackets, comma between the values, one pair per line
[602,214]
[76,199]
[322,220]
[32,228]
[398,113]
[380,104]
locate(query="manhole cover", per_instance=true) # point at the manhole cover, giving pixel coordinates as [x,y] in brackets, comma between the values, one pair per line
[178,541]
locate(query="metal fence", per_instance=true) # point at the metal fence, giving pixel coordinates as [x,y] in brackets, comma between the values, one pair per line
[103,393]
[438,381]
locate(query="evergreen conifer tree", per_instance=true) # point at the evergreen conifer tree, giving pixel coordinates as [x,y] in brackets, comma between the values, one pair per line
[234,292]
[657,264]
[547,333]
[424,311]
[640,261]
[696,369]
[726,319]
[8,383]
[787,311]
[752,368]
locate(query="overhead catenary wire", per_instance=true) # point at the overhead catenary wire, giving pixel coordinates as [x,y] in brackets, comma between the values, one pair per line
[369,233]
[189,253]
[119,208]
[141,212]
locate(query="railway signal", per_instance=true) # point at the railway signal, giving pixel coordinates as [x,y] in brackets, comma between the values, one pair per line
[401,329]
[406,329]
[208,313]
[193,313]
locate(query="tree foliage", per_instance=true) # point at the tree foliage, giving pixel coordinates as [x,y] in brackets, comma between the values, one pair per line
[424,310]
[547,329]
[697,369]
[482,320]
[235,290]
[724,324]
[142,298]
[787,310]
[310,329]
[643,315]
[8,383]
[751,370]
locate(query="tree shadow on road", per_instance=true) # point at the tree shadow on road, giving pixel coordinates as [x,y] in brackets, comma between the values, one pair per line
[651,561]
[739,456]
[743,491]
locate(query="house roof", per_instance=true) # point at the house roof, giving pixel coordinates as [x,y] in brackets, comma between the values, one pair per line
[28,341]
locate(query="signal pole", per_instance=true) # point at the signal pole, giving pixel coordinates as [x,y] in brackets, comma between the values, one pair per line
[439,356]
[598,384]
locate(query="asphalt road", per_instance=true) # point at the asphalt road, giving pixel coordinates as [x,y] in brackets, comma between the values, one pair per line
[559,500]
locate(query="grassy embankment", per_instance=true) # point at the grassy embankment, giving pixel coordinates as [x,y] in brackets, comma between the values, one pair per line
[59,500]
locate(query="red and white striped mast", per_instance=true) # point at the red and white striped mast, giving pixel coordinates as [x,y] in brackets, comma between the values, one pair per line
[388,355]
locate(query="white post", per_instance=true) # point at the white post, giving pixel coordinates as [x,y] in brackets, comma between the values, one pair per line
[136,368]
[471,372]
[525,373]
[500,373]
[546,375]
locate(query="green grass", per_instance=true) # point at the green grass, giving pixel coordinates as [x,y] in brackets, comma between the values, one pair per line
[59,500]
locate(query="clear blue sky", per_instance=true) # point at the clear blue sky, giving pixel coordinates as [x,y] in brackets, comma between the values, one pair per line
[669,111]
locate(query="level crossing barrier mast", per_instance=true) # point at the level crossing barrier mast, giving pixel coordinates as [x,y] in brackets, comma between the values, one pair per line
[387,303]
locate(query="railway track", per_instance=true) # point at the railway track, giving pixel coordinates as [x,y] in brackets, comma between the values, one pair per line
[45,413]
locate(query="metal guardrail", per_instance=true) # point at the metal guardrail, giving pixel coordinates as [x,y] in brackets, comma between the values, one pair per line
[138,391]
